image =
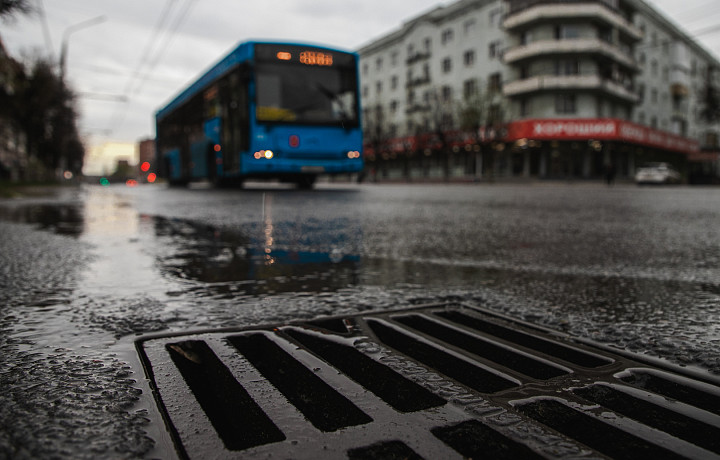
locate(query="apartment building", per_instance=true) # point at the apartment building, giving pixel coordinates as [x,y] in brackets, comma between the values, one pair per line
[542,88]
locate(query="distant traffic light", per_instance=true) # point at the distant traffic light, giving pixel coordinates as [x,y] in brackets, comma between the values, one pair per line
[104,181]
[145,166]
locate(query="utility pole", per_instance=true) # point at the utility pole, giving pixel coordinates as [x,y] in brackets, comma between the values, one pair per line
[66,35]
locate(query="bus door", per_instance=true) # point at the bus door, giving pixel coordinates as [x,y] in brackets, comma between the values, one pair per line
[212,131]
[173,165]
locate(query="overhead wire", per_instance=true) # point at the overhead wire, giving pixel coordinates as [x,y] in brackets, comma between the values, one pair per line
[161,34]
[169,36]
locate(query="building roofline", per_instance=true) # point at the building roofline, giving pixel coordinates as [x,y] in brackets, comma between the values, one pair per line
[674,29]
[434,15]
[442,12]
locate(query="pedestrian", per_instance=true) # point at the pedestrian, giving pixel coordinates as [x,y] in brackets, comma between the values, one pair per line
[610,174]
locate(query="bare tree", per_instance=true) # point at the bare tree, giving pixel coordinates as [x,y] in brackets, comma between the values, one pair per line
[442,120]
[43,107]
[9,8]
[375,130]
[482,115]
[711,97]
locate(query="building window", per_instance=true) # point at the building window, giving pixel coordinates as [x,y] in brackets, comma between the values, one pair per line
[567,32]
[495,83]
[525,37]
[365,92]
[653,68]
[378,87]
[394,82]
[365,69]
[654,95]
[495,16]
[470,88]
[394,58]
[447,36]
[428,45]
[653,122]
[567,67]
[524,72]
[469,58]
[524,107]
[469,26]
[641,93]
[565,104]
[495,50]
[447,65]
[378,64]
[447,94]
[393,107]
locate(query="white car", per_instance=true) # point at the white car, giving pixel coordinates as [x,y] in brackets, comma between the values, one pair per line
[657,173]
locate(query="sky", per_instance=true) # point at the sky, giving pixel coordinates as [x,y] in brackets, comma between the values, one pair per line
[127,58]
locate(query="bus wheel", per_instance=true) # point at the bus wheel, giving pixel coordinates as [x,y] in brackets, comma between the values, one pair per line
[306,182]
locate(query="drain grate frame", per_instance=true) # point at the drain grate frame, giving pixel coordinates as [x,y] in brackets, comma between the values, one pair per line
[430,381]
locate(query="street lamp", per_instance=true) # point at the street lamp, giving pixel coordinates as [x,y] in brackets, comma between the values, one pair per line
[66,36]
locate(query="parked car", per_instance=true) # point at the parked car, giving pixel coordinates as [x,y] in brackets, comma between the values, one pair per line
[657,173]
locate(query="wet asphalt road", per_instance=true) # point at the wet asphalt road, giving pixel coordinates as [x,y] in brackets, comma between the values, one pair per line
[84,271]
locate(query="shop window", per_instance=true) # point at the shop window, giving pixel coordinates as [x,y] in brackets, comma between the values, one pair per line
[565,104]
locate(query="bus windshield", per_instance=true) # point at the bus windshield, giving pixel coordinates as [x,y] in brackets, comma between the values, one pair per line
[293,92]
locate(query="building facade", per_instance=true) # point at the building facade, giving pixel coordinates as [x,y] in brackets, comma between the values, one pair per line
[13,155]
[539,88]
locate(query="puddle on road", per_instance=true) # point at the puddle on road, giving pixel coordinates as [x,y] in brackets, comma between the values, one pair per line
[152,273]
[63,219]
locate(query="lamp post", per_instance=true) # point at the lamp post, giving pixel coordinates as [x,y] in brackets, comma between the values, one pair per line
[66,36]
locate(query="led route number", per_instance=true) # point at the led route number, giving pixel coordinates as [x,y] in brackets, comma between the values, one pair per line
[309,58]
[316,58]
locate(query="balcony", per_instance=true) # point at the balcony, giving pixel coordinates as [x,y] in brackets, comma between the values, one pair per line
[418,81]
[418,56]
[569,82]
[564,11]
[573,46]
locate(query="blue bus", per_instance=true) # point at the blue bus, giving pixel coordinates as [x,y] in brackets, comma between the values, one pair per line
[268,111]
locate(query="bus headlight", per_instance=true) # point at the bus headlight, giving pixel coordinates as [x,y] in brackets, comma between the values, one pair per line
[353,154]
[267,154]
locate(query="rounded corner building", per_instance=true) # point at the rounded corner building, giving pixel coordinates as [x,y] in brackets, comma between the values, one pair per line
[539,88]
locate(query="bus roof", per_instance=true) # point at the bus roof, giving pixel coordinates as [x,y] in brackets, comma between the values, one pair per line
[241,53]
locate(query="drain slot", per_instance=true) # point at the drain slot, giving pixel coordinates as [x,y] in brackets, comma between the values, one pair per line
[604,438]
[435,381]
[678,425]
[238,420]
[673,390]
[399,392]
[482,348]
[557,350]
[473,439]
[384,450]
[324,407]
[464,372]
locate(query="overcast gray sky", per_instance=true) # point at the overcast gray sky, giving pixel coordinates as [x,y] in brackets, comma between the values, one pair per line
[145,51]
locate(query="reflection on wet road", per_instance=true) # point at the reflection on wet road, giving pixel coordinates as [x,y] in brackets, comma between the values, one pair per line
[86,270]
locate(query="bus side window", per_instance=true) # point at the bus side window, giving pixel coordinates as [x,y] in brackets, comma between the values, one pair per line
[234,101]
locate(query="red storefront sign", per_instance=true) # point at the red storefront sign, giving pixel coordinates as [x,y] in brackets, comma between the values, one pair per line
[607,129]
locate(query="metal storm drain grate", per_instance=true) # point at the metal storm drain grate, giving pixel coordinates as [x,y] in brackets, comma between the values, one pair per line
[430,382]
